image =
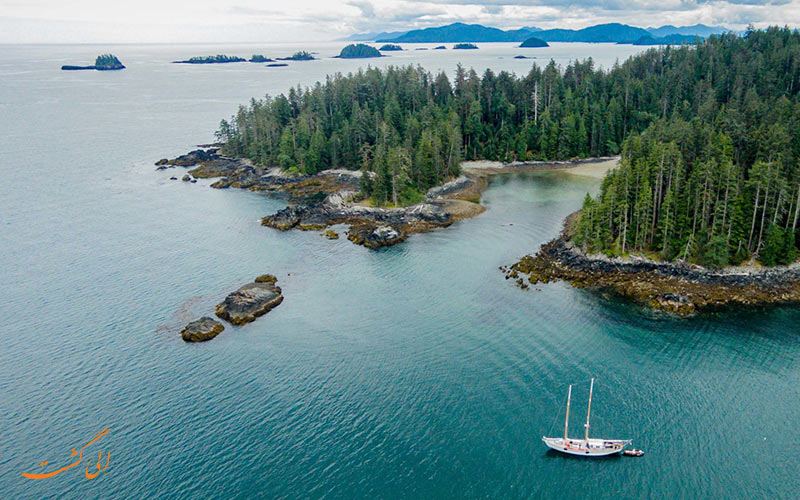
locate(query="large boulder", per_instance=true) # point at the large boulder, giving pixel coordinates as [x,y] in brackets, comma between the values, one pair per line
[374,236]
[201,330]
[250,301]
[284,219]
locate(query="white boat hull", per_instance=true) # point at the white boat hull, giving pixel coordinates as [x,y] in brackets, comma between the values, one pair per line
[583,448]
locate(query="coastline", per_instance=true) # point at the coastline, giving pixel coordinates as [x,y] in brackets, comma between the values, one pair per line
[678,288]
[330,197]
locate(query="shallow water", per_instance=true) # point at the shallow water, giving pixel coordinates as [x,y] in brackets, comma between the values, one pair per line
[415,371]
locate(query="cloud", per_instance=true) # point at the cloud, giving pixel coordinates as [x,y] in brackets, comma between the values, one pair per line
[366,8]
[300,20]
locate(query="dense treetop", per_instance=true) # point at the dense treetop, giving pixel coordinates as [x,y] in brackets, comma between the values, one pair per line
[715,178]
[107,61]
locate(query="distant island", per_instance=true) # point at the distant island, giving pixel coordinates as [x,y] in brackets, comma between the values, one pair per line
[440,47]
[674,39]
[298,56]
[359,51]
[606,33]
[105,62]
[534,42]
[390,47]
[465,46]
[217,59]
[460,32]
[258,58]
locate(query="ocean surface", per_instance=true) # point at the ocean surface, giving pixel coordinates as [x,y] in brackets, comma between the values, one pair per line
[416,371]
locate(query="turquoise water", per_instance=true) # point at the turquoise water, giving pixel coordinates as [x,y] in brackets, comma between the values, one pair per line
[416,371]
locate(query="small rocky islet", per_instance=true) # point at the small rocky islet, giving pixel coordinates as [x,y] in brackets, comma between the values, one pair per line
[250,301]
[201,330]
[240,307]
[678,288]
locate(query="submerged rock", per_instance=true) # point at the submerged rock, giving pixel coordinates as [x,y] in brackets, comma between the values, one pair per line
[201,330]
[250,301]
[186,178]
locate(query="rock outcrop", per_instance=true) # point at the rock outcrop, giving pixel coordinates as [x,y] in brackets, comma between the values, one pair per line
[201,330]
[250,301]
[678,288]
[374,236]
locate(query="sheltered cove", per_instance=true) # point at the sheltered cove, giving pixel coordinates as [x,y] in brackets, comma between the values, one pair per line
[329,197]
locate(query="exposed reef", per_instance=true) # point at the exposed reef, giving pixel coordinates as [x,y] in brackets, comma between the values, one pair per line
[678,288]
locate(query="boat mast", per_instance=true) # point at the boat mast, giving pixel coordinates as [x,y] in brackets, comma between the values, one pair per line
[566,420]
[589,412]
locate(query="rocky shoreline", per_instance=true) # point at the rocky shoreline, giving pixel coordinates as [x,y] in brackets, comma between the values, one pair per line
[330,197]
[678,288]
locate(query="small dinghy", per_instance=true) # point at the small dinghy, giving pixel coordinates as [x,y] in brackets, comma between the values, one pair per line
[633,453]
[585,447]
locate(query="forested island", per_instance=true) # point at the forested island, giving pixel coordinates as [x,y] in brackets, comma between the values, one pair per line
[298,56]
[105,62]
[533,42]
[389,47]
[359,51]
[217,59]
[464,46]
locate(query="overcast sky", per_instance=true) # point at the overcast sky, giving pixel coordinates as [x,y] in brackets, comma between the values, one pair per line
[34,21]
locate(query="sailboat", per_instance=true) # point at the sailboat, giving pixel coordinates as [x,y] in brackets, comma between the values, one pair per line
[584,447]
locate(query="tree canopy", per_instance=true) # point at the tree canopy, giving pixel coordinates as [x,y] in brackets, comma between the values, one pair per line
[714,179]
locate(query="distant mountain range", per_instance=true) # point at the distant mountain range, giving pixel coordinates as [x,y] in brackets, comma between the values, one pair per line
[696,30]
[613,32]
